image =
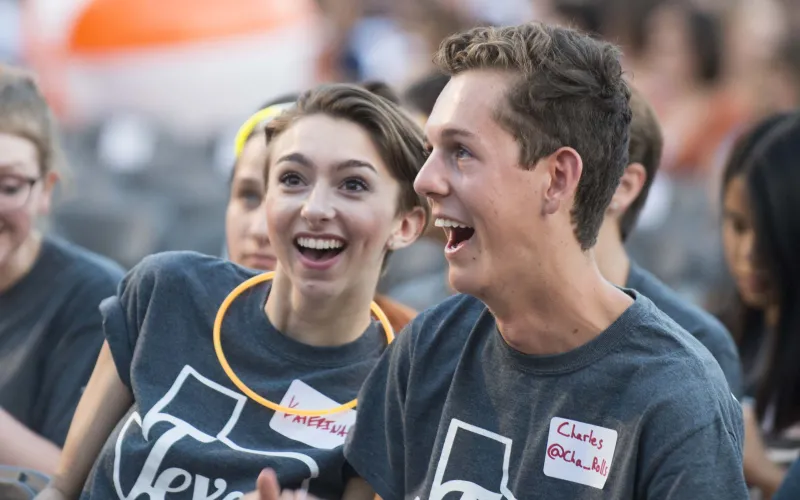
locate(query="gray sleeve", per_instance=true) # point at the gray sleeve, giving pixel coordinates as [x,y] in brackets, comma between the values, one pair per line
[705,464]
[70,365]
[790,489]
[123,314]
[375,447]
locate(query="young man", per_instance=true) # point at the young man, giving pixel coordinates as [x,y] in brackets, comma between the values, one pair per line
[544,381]
[646,144]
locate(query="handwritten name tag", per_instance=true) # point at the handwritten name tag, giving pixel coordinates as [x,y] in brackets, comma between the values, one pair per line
[326,432]
[579,452]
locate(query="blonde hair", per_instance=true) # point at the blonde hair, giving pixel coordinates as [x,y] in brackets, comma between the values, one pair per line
[24,112]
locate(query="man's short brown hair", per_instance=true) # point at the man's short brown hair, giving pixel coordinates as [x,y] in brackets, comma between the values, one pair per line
[569,92]
[646,145]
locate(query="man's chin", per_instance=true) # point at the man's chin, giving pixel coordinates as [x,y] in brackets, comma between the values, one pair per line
[463,281]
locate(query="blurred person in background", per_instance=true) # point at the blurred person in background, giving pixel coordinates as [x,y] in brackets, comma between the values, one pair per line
[417,275]
[162,413]
[615,264]
[246,238]
[761,238]
[50,290]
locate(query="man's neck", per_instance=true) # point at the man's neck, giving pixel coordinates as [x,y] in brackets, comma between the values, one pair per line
[610,254]
[576,305]
[328,321]
[20,262]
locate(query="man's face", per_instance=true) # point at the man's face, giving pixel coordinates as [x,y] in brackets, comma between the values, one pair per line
[487,203]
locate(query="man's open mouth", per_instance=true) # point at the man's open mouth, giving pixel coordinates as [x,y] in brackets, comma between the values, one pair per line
[457,232]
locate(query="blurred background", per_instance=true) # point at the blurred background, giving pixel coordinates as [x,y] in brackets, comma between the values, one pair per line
[150,94]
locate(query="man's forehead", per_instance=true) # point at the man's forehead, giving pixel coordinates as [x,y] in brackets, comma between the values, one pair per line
[468,102]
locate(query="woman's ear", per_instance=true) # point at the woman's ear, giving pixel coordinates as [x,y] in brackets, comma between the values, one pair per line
[49,182]
[408,228]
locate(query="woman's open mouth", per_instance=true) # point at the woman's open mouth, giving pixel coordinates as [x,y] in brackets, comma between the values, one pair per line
[319,252]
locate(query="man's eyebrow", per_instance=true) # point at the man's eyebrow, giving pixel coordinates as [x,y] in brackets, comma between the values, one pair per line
[450,132]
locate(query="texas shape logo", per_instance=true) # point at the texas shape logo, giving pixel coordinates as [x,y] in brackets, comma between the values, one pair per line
[474,462]
[153,482]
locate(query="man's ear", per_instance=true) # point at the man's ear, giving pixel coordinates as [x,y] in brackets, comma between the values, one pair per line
[630,186]
[564,168]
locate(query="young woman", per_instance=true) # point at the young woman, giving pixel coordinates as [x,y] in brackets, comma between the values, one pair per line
[246,235]
[761,236]
[50,328]
[179,407]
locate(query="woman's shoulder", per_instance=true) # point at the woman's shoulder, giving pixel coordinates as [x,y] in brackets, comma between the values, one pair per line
[83,263]
[185,271]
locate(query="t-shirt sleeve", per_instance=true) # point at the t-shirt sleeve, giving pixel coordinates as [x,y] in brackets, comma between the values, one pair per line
[375,448]
[124,312]
[790,489]
[705,464]
[70,365]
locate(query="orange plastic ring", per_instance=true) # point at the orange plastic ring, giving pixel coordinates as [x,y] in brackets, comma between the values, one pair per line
[261,278]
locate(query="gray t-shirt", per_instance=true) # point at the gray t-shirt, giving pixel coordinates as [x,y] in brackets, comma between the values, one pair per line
[640,412]
[191,433]
[702,325]
[50,334]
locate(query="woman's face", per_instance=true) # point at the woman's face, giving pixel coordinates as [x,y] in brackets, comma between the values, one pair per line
[246,218]
[24,193]
[332,207]
[738,236]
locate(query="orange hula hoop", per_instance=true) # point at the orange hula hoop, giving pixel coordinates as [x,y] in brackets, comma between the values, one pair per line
[226,367]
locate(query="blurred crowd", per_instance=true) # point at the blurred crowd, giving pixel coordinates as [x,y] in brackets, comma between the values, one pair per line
[133,185]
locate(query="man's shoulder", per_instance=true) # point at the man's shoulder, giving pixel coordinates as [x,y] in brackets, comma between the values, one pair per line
[450,322]
[674,368]
[701,324]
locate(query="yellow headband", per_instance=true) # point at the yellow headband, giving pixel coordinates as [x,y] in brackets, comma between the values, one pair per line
[260,117]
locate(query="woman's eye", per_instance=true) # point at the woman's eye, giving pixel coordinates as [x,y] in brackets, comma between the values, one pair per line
[355,184]
[291,179]
[252,198]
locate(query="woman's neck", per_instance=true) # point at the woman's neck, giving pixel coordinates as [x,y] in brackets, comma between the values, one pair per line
[330,321]
[20,262]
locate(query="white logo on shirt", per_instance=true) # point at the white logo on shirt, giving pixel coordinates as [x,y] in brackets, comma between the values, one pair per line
[155,485]
[579,452]
[474,446]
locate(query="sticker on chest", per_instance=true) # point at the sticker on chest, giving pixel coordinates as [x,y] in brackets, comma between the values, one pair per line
[579,452]
[326,432]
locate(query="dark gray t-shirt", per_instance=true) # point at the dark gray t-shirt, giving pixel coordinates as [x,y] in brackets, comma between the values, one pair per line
[640,412]
[191,433]
[50,335]
[703,326]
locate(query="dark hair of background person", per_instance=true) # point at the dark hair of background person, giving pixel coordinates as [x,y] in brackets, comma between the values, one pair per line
[569,92]
[421,95]
[645,148]
[767,158]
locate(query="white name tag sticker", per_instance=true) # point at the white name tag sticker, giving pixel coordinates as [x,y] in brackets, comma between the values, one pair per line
[579,452]
[325,432]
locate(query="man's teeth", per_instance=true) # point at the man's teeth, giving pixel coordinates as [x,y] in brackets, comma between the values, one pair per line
[319,243]
[449,223]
